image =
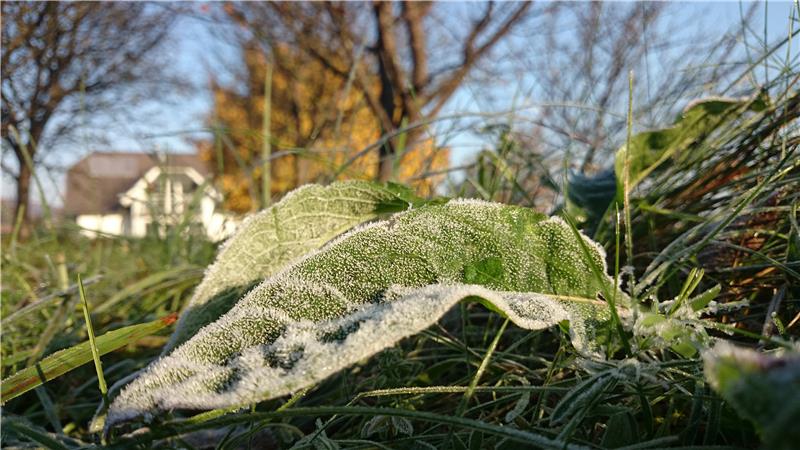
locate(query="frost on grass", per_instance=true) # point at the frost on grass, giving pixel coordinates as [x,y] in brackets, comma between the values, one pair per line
[302,221]
[763,388]
[371,287]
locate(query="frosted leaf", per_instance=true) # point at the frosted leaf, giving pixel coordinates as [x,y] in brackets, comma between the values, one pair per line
[763,388]
[371,287]
[303,220]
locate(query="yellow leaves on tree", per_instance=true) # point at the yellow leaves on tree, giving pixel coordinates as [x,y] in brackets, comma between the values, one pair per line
[319,131]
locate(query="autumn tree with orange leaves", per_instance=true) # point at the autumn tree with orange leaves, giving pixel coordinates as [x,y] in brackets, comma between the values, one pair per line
[319,130]
[345,74]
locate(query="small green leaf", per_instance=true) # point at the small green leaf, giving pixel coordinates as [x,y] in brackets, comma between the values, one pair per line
[763,388]
[582,396]
[521,404]
[684,347]
[374,426]
[66,360]
[401,425]
[671,332]
[701,301]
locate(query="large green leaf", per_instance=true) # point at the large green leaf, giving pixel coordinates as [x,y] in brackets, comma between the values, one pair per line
[763,388]
[374,286]
[302,221]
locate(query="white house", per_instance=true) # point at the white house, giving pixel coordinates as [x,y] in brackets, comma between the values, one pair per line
[130,193]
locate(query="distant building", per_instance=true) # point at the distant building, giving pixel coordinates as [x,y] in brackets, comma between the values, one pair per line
[130,193]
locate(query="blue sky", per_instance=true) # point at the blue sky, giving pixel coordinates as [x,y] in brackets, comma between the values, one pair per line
[197,55]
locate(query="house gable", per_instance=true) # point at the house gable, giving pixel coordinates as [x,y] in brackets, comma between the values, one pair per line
[95,183]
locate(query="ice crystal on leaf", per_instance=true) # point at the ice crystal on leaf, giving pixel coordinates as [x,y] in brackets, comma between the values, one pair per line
[372,286]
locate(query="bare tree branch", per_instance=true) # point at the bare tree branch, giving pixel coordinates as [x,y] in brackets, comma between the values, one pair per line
[413,15]
[395,79]
[472,55]
[56,53]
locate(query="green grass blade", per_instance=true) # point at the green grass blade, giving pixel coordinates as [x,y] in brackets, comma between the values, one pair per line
[482,368]
[66,360]
[509,433]
[626,186]
[149,282]
[39,436]
[98,365]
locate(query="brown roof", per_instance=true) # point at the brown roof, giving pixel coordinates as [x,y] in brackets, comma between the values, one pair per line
[95,182]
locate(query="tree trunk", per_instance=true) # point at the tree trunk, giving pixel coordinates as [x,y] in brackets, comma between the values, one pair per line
[386,162]
[388,152]
[23,198]
[386,50]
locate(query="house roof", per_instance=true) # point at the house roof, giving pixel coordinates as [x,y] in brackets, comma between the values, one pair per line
[95,182]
